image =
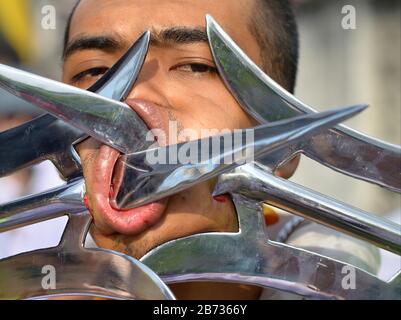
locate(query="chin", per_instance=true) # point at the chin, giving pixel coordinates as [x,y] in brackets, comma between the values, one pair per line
[139,245]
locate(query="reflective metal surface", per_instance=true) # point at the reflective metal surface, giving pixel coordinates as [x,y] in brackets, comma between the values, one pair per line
[255,183]
[114,123]
[140,182]
[144,182]
[111,122]
[47,138]
[44,138]
[249,257]
[345,150]
[245,257]
[79,271]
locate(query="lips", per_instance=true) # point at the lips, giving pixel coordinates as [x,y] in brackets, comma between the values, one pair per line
[111,220]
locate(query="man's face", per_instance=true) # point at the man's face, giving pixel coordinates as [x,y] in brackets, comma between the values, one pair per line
[179,83]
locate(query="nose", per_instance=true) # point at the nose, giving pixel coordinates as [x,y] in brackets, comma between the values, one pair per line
[151,84]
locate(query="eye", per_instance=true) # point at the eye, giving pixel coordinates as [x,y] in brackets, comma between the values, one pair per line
[198,68]
[90,75]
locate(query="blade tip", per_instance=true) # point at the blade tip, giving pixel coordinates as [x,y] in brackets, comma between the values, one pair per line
[358,108]
[210,22]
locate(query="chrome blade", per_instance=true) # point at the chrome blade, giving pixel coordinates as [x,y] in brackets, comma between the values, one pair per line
[51,139]
[352,152]
[141,181]
[255,183]
[111,122]
[117,82]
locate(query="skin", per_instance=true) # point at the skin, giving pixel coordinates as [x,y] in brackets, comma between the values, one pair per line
[173,90]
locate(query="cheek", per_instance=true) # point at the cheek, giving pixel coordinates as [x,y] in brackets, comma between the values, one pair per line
[200,212]
[208,105]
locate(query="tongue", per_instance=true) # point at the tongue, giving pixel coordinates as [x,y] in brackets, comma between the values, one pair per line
[108,219]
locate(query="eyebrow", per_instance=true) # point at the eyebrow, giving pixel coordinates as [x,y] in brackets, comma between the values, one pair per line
[110,43]
[178,35]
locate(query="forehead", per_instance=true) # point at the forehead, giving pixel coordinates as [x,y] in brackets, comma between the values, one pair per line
[130,18]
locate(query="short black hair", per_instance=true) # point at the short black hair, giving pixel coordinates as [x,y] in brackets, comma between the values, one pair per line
[68,26]
[274,26]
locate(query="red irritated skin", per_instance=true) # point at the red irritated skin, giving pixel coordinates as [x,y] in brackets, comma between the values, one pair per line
[221,198]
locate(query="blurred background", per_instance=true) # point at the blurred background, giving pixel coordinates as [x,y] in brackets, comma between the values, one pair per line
[338,67]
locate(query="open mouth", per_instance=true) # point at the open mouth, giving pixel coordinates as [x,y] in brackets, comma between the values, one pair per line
[130,221]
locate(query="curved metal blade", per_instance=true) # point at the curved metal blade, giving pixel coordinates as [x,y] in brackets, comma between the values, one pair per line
[141,182]
[255,183]
[248,257]
[351,152]
[111,122]
[48,138]
[122,277]
[117,82]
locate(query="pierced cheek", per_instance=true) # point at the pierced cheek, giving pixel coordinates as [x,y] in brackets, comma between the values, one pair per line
[221,199]
[86,201]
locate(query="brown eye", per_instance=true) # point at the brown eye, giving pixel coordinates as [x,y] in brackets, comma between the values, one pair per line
[201,68]
[89,75]
[197,68]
